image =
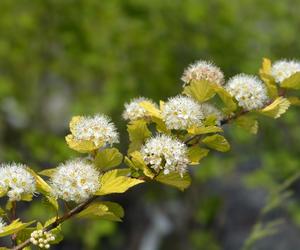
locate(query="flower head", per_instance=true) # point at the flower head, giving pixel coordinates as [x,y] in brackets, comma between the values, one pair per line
[76,180]
[165,153]
[283,69]
[2,224]
[133,110]
[248,90]
[203,70]
[210,110]
[98,129]
[181,112]
[16,181]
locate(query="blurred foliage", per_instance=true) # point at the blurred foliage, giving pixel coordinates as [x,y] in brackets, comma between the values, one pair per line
[59,58]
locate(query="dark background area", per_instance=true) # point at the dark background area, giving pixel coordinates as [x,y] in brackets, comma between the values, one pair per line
[60,58]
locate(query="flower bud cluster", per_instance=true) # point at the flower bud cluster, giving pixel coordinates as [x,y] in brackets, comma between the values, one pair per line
[133,110]
[41,238]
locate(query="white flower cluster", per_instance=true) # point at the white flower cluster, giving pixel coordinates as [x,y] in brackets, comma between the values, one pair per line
[182,112]
[41,238]
[2,225]
[283,69]
[133,110]
[165,153]
[203,70]
[76,180]
[248,90]
[16,180]
[98,129]
[210,110]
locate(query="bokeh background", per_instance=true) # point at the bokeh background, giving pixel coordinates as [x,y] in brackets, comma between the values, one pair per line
[59,58]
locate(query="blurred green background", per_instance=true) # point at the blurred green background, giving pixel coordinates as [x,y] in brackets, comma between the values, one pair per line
[59,58]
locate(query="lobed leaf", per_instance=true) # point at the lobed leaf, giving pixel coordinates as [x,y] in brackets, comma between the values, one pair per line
[248,123]
[114,181]
[175,180]
[138,132]
[108,158]
[14,227]
[196,154]
[293,82]
[278,107]
[202,91]
[217,142]
[104,210]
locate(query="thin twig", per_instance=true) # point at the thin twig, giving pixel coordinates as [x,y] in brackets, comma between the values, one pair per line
[60,220]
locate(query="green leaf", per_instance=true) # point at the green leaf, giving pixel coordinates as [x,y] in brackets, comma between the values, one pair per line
[175,180]
[156,116]
[226,98]
[81,146]
[204,130]
[57,233]
[294,100]
[138,133]
[196,154]
[138,163]
[115,182]
[200,90]
[14,227]
[45,189]
[108,158]
[104,210]
[269,81]
[248,123]
[293,82]
[48,172]
[217,142]
[278,107]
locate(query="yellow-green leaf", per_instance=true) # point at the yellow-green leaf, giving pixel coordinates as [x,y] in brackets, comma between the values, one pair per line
[45,189]
[175,180]
[108,158]
[48,172]
[269,81]
[200,90]
[155,115]
[276,108]
[138,133]
[294,100]
[217,142]
[81,146]
[248,123]
[138,163]
[115,182]
[204,130]
[226,98]
[293,82]
[196,154]
[14,227]
[103,210]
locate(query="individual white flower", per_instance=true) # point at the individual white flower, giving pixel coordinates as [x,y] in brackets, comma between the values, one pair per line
[133,110]
[76,180]
[41,238]
[2,224]
[165,153]
[98,129]
[210,110]
[182,112]
[248,90]
[283,69]
[16,180]
[203,70]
